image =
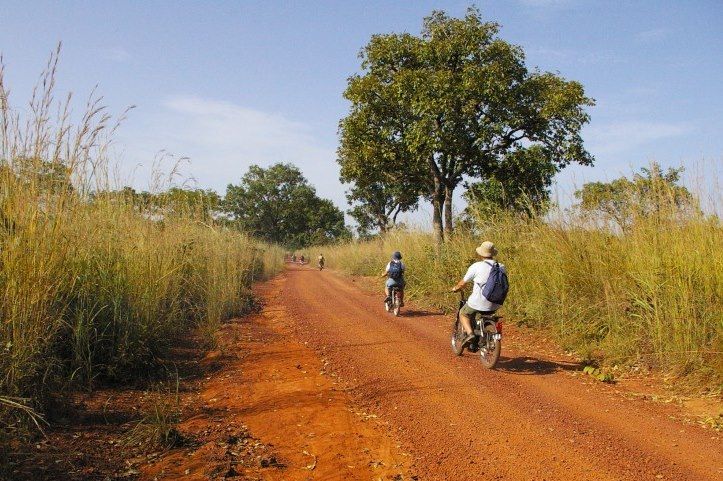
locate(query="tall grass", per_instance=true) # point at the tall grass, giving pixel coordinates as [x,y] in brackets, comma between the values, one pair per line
[91,285]
[651,296]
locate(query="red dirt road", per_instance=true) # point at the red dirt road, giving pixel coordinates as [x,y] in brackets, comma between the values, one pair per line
[534,418]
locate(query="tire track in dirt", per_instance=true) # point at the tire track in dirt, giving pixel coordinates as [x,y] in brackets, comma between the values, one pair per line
[528,420]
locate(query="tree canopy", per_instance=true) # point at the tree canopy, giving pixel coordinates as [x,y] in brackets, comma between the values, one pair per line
[453,102]
[279,205]
[521,184]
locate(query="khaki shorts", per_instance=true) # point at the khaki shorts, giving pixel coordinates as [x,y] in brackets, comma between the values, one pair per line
[472,313]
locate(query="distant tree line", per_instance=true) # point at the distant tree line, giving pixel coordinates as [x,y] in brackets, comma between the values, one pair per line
[275,204]
[653,193]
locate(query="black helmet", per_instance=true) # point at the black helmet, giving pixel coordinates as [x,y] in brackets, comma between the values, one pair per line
[397,256]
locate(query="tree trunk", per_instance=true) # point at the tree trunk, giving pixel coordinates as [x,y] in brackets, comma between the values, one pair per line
[448,227]
[437,202]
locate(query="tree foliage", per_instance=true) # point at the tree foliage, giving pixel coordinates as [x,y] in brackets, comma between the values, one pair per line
[374,155]
[520,184]
[202,204]
[652,192]
[279,205]
[454,102]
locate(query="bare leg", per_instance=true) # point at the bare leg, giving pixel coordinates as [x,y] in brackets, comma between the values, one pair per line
[466,324]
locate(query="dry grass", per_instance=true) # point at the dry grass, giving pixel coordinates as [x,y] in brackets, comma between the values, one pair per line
[652,297]
[92,286]
[158,426]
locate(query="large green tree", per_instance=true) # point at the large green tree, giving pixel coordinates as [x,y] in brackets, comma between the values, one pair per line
[382,188]
[278,204]
[455,102]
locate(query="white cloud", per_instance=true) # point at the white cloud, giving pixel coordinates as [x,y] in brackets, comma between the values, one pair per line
[624,136]
[571,56]
[547,53]
[251,133]
[118,54]
[223,139]
[652,36]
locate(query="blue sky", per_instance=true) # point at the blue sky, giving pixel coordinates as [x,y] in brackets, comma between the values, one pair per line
[233,83]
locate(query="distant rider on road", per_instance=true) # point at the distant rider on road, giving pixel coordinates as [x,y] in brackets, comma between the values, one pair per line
[321,261]
[477,303]
[394,272]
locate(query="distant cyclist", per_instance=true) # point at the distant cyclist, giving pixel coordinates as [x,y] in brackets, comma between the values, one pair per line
[394,272]
[321,261]
[478,273]
[302,258]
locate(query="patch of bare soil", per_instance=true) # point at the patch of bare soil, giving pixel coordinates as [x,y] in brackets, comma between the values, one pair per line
[262,406]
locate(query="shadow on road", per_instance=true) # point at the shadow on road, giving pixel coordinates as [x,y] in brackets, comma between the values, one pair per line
[417,313]
[532,366]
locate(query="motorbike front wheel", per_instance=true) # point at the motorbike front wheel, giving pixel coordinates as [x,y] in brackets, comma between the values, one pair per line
[457,337]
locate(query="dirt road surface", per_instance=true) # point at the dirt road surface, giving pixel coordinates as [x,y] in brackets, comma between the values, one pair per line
[534,418]
[322,384]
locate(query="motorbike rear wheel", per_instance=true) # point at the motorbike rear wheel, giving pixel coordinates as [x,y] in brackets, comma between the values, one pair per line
[490,348]
[396,302]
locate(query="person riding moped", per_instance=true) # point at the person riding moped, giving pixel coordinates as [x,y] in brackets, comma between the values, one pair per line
[477,303]
[394,272]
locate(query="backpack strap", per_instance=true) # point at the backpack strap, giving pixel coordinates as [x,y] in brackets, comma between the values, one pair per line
[481,286]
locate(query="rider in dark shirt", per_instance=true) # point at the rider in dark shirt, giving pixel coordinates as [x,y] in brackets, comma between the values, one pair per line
[394,272]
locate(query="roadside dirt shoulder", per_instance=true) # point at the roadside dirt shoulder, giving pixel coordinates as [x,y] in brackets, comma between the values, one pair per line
[271,411]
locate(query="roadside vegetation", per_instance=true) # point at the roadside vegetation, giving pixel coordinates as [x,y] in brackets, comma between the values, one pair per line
[95,283]
[632,276]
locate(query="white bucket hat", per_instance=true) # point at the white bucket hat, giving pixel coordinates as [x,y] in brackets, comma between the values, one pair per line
[487,249]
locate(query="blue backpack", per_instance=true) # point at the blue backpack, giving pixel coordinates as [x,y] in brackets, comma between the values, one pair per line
[395,270]
[496,288]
